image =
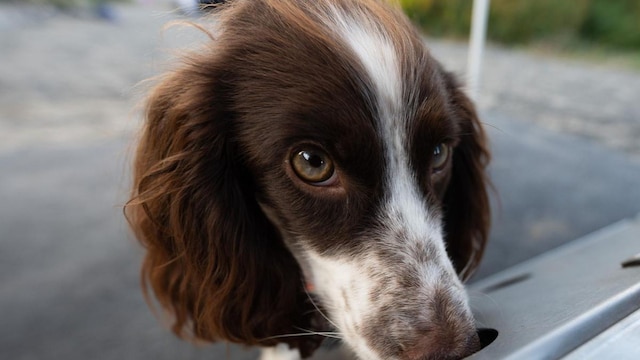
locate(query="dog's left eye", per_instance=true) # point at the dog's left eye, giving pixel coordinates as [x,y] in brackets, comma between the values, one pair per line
[313,166]
[440,156]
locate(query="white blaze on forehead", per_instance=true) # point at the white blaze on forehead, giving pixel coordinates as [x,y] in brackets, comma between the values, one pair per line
[378,55]
[377,52]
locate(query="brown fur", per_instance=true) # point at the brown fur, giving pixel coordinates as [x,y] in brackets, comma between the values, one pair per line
[213,259]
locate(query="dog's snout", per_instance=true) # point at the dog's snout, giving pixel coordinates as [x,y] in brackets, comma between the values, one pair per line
[443,344]
[449,333]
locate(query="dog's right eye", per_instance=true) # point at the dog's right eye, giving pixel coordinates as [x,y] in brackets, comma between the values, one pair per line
[313,166]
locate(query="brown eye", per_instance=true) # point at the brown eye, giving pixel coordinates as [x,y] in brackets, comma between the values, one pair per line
[313,166]
[440,156]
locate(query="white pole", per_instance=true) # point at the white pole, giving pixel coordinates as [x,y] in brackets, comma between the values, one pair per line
[478,35]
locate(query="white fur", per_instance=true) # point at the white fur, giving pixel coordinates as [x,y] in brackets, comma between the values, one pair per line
[279,352]
[335,277]
[379,57]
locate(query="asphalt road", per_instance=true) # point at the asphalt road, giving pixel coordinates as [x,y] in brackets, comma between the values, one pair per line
[69,283]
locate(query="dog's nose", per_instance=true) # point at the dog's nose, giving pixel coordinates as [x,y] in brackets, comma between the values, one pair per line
[443,344]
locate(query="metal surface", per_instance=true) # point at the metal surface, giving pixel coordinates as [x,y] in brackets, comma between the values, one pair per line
[550,305]
[620,342]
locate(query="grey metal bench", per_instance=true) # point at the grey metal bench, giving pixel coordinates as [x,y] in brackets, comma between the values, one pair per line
[576,302]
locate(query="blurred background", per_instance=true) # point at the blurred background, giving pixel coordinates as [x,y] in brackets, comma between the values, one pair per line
[559,95]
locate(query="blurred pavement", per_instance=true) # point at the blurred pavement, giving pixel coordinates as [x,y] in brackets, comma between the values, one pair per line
[566,162]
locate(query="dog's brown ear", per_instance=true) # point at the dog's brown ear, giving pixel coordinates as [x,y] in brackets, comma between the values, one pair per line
[213,260]
[466,203]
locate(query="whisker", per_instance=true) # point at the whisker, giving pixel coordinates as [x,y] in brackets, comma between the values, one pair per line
[332,335]
[318,308]
[468,269]
[480,294]
[492,126]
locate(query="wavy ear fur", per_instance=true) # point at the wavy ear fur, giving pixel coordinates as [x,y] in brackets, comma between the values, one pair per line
[466,203]
[213,260]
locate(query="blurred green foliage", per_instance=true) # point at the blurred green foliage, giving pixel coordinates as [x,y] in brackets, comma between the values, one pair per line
[440,17]
[611,23]
[522,21]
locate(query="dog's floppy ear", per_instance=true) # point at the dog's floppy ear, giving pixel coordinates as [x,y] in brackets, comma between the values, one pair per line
[213,260]
[466,202]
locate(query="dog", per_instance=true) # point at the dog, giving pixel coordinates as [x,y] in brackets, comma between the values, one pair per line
[313,172]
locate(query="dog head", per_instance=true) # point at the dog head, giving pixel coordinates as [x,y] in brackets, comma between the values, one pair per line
[314,146]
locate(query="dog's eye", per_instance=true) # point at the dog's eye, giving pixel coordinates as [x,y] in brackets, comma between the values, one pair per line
[440,156]
[313,166]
